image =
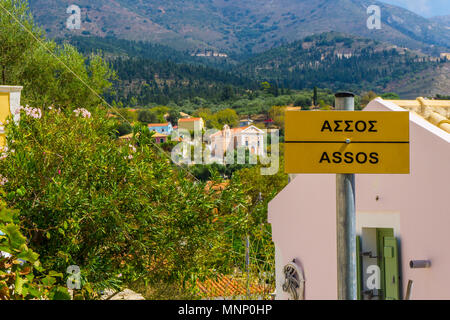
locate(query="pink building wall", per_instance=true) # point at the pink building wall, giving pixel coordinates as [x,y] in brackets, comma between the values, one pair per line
[303,217]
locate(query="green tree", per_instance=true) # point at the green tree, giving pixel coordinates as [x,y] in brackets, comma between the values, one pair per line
[315,97]
[277,114]
[15,42]
[173,117]
[367,97]
[227,93]
[303,101]
[47,81]
[227,116]
[124,128]
[390,96]
[147,116]
[46,78]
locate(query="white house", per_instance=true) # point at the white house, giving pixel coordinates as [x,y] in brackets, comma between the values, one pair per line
[228,139]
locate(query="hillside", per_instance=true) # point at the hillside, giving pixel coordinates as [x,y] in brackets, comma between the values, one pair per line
[114,48]
[144,81]
[443,20]
[238,27]
[338,61]
[429,82]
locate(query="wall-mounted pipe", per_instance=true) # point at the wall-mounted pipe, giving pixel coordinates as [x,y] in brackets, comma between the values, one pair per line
[415,264]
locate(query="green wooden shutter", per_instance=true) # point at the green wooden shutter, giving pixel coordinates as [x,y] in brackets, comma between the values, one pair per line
[392,279]
[358,268]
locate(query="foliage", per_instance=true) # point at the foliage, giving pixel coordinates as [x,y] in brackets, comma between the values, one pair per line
[367,97]
[313,62]
[124,128]
[390,96]
[227,117]
[14,42]
[21,275]
[173,117]
[120,211]
[147,116]
[46,79]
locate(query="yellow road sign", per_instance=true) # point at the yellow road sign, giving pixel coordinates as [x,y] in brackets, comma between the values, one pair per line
[347,142]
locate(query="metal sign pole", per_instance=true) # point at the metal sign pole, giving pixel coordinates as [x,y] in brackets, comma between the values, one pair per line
[345,219]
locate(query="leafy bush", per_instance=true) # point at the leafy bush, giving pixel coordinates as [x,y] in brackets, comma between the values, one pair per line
[21,274]
[118,210]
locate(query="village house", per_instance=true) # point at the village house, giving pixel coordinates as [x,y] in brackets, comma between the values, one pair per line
[245,122]
[250,137]
[445,55]
[160,137]
[162,128]
[402,221]
[191,124]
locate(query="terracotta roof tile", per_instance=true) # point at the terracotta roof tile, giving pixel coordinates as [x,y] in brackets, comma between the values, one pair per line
[189,119]
[228,286]
[436,112]
[158,124]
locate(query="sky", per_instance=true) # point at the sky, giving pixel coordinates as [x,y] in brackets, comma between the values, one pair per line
[426,8]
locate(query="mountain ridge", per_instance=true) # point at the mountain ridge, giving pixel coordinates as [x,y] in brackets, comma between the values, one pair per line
[239,27]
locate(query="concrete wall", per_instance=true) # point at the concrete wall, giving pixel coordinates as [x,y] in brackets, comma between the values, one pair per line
[417,206]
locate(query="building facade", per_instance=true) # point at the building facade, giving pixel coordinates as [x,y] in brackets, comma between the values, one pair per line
[191,124]
[250,137]
[162,128]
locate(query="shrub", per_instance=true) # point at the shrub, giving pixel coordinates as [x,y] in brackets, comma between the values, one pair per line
[118,210]
[21,273]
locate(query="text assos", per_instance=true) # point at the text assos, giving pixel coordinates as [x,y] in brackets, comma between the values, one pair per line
[350,157]
[349,126]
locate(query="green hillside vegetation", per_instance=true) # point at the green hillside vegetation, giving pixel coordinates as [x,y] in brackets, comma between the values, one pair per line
[114,47]
[319,60]
[148,81]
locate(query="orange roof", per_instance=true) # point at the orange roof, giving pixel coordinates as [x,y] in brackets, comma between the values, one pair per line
[216,186]
[293,108]
[227,286]
[159,135]
[158,124]
[127,136]
[189,119]
[239,129]
[233,130]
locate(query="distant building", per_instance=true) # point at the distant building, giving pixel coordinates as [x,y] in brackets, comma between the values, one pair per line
[228,139]
[191,124]
[163,128]
[245,122]
[445,55]
[160,138]
[184,115]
